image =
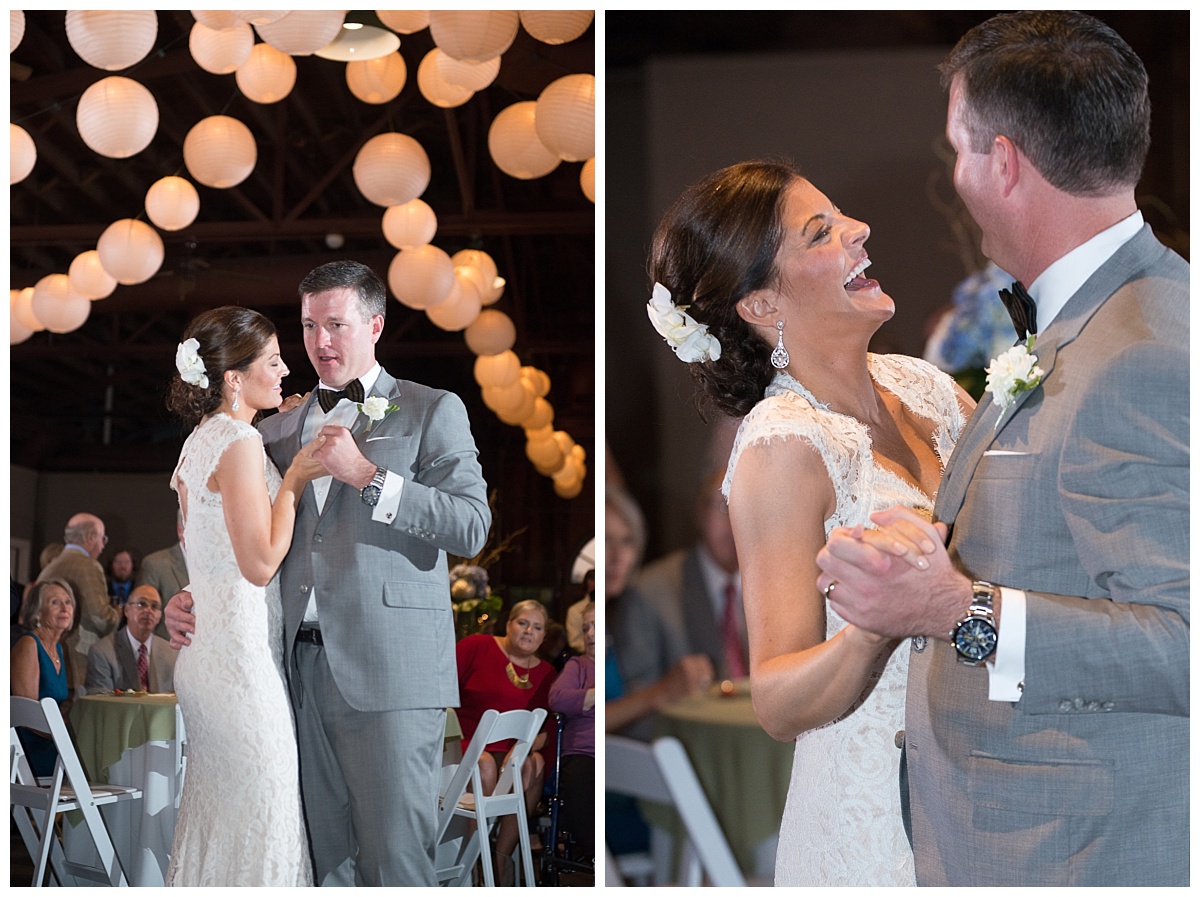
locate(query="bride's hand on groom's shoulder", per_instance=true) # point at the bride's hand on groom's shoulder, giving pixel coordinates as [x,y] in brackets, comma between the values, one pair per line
[292,402]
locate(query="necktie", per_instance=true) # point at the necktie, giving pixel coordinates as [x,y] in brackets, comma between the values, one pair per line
[143,668]
[330,397]
[1021,309]
[731,636]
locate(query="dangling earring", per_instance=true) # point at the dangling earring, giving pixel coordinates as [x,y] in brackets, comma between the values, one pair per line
[780,357]
[237,391]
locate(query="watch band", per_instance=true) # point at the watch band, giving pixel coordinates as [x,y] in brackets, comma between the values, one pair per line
[975,636]
[370,493]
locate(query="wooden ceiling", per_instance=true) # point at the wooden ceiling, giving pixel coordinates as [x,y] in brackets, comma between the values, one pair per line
[92,399]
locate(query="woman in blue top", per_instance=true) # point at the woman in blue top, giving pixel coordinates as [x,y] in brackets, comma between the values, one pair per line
[37,665]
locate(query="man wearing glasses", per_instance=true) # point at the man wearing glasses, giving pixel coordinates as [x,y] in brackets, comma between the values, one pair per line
[133,658]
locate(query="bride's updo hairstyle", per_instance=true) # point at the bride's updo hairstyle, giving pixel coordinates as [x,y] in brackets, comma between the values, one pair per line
[230,339]
[715,245]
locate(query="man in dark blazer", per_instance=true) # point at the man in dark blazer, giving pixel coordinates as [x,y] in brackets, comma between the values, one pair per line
[113,661]
[1047,717]
[368,626]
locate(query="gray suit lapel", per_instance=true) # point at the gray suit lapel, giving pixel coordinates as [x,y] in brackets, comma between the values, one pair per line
[125,659]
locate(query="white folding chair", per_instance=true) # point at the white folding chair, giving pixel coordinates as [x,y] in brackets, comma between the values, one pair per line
[661,772]
[453,832]
[37,802]
[507,799]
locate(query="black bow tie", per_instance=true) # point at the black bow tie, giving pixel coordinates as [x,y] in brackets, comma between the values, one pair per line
[1021,309]
[330,397]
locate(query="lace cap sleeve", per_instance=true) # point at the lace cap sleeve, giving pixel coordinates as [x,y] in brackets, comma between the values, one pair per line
[928,391]
[204,447]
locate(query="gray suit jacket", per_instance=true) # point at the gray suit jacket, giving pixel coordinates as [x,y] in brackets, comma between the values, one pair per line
[383,591]
[112,664]
[1084,781]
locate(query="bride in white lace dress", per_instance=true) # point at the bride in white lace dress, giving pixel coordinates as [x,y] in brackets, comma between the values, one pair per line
[240,820]
[777,323]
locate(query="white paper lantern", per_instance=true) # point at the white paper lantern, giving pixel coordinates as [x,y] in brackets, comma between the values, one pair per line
[587,179]
[267,76]
[570,490]
[58,306]
[461,307]
[515,146]
[538,380]
[302,31]
[17,332]
[503,399]
[566,117]
[22,310]
[469,75]
[377,80]
[492,333]
[501,369]
[117,117]
[112,39]
[220,151]
[491,285]
[556,26]
[404,21]
[172,203]
[218,19]
[474,35]
[88,277]
[412,224]
[22,153]
[130,250]
[542,416]
[391,169]
[435,88]
[513,416]
[221,51]
[260,16]
[546,456]
[16,28]
[421,277]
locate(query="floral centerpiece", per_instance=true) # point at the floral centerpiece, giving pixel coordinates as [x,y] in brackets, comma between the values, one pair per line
[974,330]
[475,606]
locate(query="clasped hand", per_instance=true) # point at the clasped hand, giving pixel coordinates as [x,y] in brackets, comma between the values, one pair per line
[335,449]
[896,580]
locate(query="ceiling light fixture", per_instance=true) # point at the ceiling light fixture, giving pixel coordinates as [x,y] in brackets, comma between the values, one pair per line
[356,42]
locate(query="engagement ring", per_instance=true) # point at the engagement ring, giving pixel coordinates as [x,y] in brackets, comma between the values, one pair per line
[829,588]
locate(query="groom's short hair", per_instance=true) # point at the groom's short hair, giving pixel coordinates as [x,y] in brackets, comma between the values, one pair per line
[372,294]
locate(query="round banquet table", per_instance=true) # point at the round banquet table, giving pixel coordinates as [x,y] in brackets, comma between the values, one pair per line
[743,770]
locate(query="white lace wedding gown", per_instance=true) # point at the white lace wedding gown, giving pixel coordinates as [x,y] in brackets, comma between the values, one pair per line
[240,819]
[842,824]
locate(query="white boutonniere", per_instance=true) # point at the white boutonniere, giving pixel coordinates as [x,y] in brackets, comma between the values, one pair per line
[690,339]
[1012,373]
[189,363]
[376,408]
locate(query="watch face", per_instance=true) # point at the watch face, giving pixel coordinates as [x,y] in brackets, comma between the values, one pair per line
[975,639]
[370,495]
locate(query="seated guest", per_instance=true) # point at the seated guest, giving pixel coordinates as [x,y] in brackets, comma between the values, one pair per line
[166,570]
[120,577]
[38,666]
[116,660]
[573,694]
[504,673]
[575,612]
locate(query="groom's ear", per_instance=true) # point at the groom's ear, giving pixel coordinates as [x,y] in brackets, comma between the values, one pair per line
[760,307]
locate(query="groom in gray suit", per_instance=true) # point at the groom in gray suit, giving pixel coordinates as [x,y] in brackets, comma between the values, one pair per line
[1048,699]
[368,628]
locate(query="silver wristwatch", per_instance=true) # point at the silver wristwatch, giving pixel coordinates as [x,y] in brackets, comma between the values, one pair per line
[975,637]
[370,493]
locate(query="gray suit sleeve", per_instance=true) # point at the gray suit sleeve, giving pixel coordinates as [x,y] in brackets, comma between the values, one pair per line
[99,672]
[1124,482]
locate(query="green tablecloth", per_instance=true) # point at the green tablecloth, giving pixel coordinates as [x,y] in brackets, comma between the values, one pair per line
[744,772]
[106,726]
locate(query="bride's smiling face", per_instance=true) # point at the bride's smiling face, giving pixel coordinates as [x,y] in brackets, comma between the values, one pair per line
[262,383]
[820,264]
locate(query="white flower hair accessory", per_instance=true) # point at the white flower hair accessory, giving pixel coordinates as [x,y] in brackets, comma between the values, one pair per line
[689,339]
[376,408]
[1012,373]
[189,363]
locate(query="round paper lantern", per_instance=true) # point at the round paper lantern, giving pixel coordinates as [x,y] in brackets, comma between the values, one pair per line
[112,39]
[570,490]
[515,146]
[17,332]
[501,369]
[404,21]
[377,80]
[172,203]
[503,399]
[391,169]
[220,151]
[22,310]
[470,75]
[221,51]
[542,416]
[218,19]
[460,309]
[566,117]
[117,117]
[546,456]
[492,286]
[538,380]
[436,89]
[492,333]
[88,277]
[474,35]
[267,75]
[412,224]
[260,16]
[16,28]
[587,179]
[302,31]
[130,250]
[58,306]
[421,277]
[22,154]
[514,416]
[554,26]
